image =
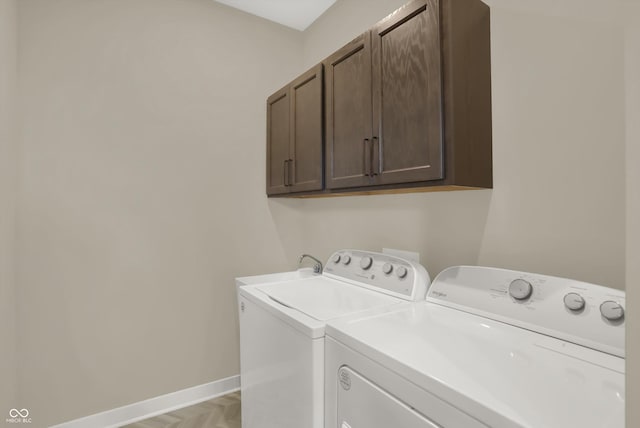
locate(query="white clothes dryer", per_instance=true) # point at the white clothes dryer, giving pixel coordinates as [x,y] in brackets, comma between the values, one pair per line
[489,348]
[282,326]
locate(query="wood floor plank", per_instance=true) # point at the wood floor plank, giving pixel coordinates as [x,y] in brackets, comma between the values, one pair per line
[220,412]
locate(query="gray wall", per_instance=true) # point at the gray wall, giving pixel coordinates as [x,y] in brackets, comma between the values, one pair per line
[8,161]
[142,194]
[558,202]
[632,90]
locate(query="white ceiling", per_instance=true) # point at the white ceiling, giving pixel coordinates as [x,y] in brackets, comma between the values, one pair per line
[298,14]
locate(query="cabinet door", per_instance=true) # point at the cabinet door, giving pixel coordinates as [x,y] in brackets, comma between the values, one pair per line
[306,132]
[278,130]
[348,114]
[407,95]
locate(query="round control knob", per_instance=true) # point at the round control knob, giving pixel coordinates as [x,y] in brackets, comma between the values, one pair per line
[387,268]
[401,272]
[520,289]
[346,259]
[613,311]
[366,262]
[336,258]
[574,301]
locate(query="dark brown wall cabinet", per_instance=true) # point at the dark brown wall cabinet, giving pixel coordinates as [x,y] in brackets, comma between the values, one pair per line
[384,103]
[294,136]
[408,103]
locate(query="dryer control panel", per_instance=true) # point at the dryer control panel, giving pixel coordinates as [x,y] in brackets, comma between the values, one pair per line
[586,314]
[381,272]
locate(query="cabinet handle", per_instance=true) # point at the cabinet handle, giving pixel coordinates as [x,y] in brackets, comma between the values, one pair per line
[290,172]
[375,156]
[285,173]
[366,163]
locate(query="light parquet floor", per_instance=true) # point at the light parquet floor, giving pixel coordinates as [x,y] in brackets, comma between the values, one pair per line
[220,412]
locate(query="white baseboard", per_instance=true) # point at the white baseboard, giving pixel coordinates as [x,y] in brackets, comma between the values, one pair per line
[155,406]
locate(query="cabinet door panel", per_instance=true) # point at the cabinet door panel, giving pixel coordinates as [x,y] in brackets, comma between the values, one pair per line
[407,95]
[306,129]
[348,107]
[277,142]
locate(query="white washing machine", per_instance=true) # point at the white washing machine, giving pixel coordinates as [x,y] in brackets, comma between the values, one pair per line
[282,328]
[489,348]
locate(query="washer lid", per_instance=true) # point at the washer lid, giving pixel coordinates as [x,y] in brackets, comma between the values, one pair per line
[323,298]
[501,375]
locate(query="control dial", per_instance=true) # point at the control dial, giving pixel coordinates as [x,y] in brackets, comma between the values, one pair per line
[387,268]
[401,272]
[520,289]
[613,311]
[574,302]
[366,262]
[346,259]
[336,258]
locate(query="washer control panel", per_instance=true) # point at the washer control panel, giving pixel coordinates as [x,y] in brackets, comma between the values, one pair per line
[382,272]
[575,311]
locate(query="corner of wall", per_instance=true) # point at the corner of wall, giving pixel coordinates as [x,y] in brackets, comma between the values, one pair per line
[632,109]
[8,190]
[343,21]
